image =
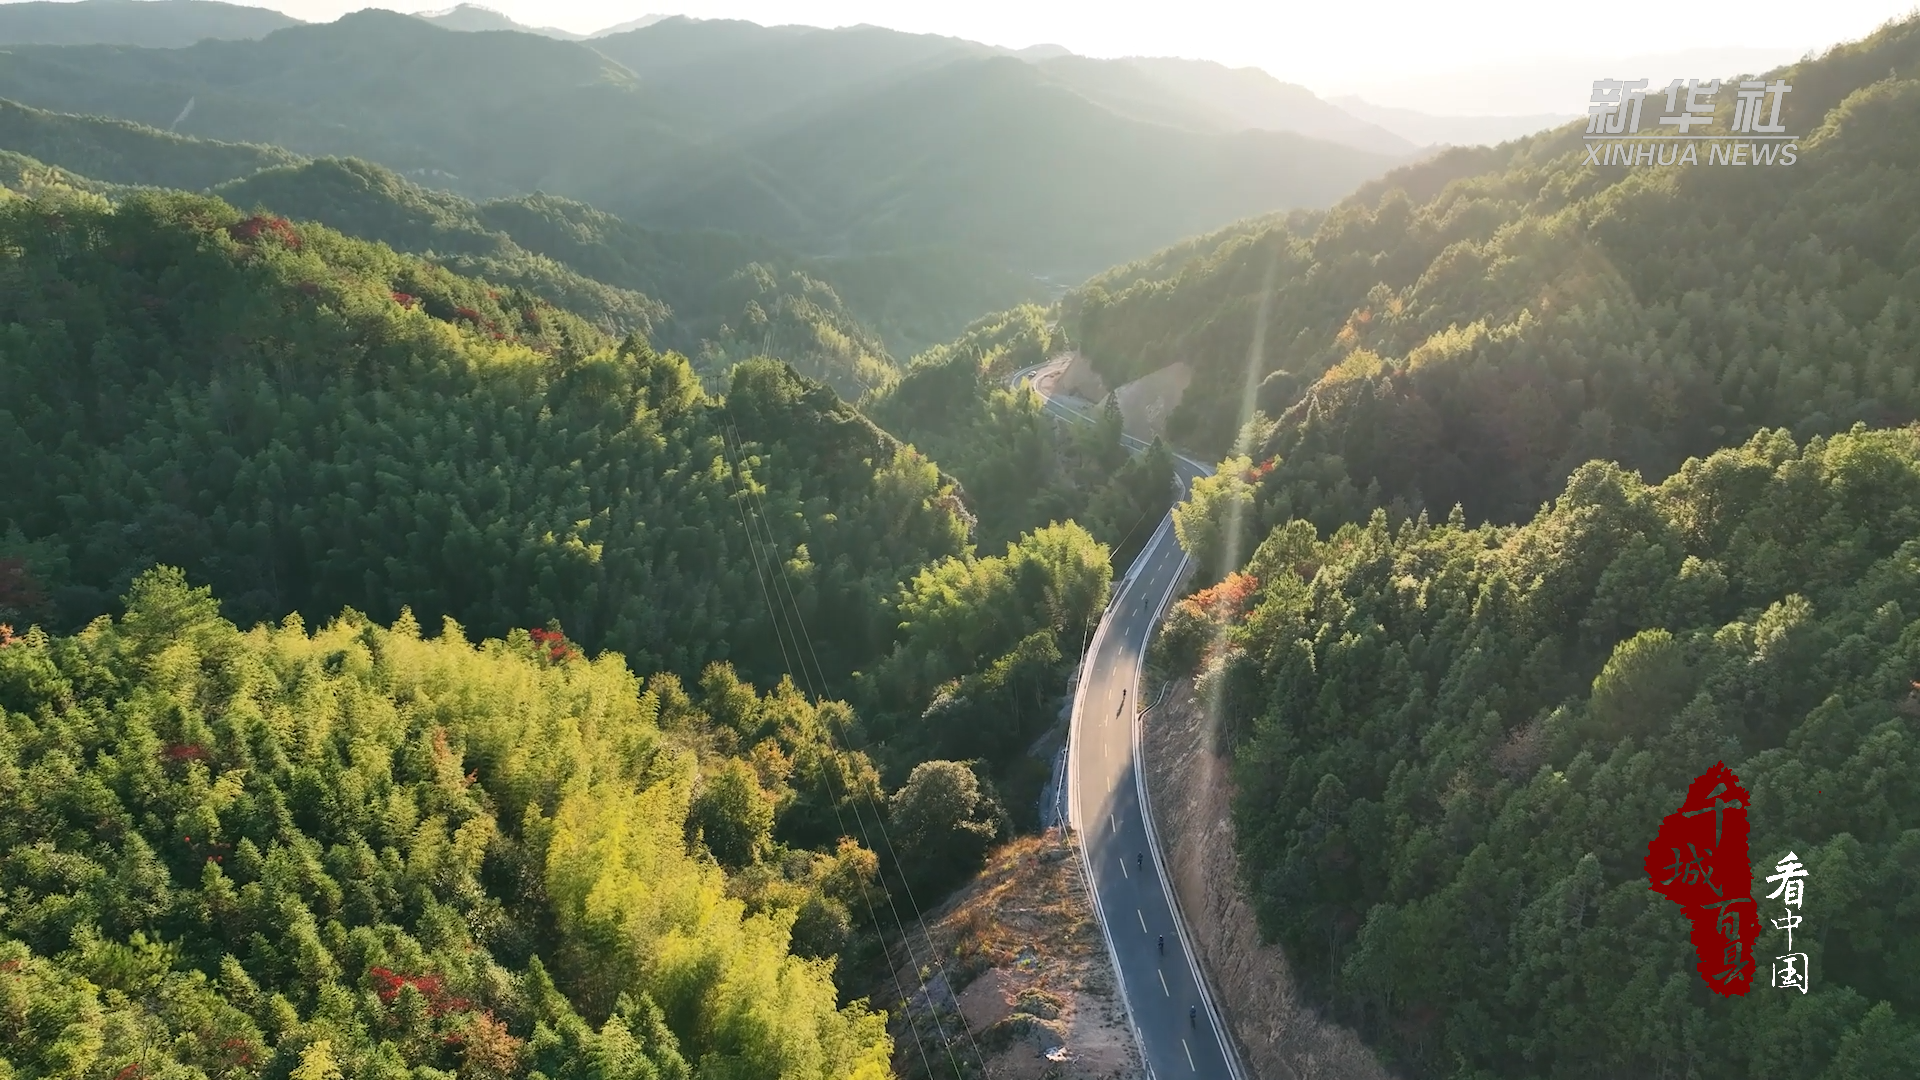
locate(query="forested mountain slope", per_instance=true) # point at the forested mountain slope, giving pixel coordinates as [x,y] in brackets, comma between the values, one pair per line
[359,853]
[1473,328]
[361,199]
[22,176]
[1022,467]
[308,422]
[1000,154]
[374,203]
[706,293]
[493,883]
[726,295]
[122,152]
[1455,743]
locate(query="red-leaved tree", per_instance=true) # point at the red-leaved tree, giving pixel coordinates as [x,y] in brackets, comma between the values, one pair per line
[1227,600]
[260,226]
[1198,624]
[555,645]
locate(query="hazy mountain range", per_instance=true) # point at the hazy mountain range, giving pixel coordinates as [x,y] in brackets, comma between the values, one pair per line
[828,142]
[1426,129]
[1183,92]
[164,24]
[475,17]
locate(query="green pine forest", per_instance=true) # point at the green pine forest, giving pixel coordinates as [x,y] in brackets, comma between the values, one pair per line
[1557,485]
[583,634]
[1454,743]
[292,424]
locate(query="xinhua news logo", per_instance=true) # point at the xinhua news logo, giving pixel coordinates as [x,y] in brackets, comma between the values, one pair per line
[1755,136]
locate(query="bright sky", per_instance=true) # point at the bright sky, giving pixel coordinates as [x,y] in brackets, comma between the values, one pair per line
[1341,46]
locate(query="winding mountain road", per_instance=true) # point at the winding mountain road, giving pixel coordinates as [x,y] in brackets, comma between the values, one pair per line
[1108,811]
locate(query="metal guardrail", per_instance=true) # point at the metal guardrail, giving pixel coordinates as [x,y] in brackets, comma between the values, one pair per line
[1052,808]
[1165,689]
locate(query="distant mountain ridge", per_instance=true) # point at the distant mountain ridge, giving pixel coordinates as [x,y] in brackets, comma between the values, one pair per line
[631,24]
[829,143]
[1001,153]
[764,70]
[1427,129]
[1251,98]
[154,24]
[375,84]
[714,62]
[173,24]
[475,18]
[748,58]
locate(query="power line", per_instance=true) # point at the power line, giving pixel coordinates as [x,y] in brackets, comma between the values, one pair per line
[774,614]
[817,688]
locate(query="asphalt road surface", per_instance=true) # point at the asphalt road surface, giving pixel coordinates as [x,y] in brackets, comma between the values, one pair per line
[1160,983]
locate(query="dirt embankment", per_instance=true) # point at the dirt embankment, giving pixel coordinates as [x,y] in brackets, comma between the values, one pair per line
[1023,981]
[1192,791]
[1073,374]
[1144,402]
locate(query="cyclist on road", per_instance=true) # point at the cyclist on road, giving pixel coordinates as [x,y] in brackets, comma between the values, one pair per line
[1193,1015]
[1137,857]
[1163,945]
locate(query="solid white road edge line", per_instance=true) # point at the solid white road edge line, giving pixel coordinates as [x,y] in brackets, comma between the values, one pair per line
[1221,1035]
